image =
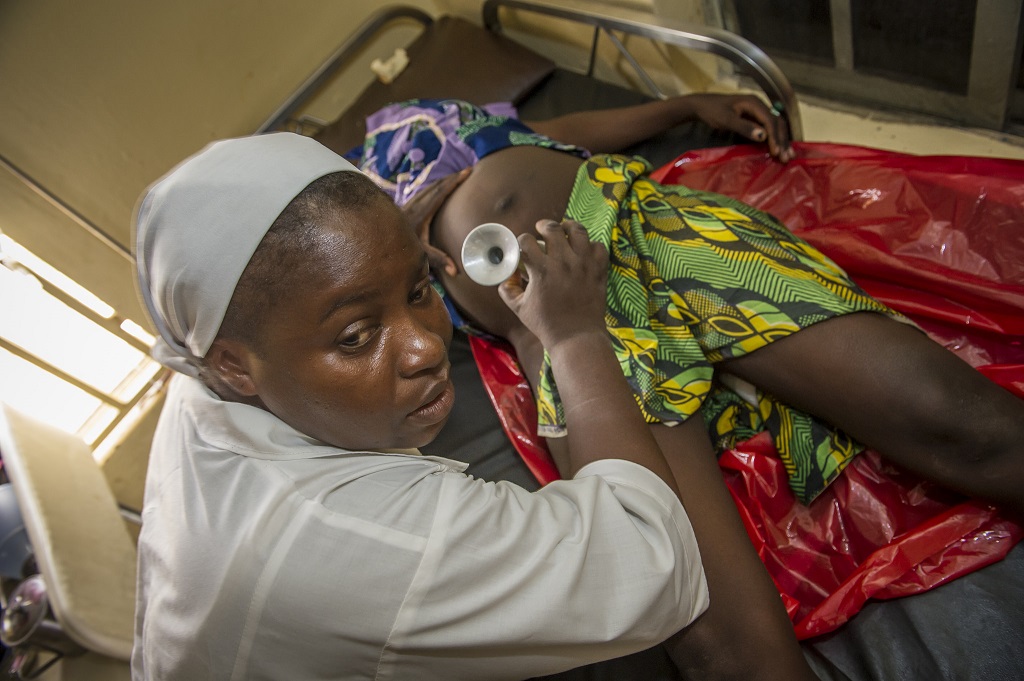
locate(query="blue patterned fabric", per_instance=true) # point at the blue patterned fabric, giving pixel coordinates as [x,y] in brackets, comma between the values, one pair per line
[411,144]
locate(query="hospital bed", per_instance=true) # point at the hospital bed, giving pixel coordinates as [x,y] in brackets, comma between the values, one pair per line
[837,197]
[892,221]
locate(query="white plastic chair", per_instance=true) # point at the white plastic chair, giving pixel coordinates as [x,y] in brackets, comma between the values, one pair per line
[82,547]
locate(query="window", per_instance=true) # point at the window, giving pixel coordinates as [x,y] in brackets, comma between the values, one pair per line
[66,357]
[956,59]
[800,29]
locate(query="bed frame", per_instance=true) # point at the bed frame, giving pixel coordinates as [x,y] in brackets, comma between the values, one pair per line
[746,57]
[743,54]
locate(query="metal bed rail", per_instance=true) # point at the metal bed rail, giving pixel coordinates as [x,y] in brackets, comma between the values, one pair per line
[746,56]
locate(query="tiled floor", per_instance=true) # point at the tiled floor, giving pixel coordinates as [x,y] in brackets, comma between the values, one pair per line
[827,122]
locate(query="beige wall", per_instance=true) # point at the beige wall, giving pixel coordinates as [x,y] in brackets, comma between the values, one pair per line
[97,99]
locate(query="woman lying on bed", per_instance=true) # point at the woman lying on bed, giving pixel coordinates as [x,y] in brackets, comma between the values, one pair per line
[705,296]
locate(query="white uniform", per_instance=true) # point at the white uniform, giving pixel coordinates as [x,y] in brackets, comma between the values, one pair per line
[266,554]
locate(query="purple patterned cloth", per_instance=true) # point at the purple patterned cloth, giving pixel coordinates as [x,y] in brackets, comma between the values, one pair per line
[411,144]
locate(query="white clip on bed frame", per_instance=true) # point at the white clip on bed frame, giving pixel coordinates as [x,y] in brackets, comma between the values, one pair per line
[743,54]
[345,52]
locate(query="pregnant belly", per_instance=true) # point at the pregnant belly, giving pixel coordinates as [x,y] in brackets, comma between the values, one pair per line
[516,187]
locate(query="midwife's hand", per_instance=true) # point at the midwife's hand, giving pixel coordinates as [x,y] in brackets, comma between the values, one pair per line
[745,115]
[565,295]
[420,211]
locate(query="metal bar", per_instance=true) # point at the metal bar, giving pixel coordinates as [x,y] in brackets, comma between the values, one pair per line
[123,410]
[111,324]
[648,81]
[18,351]
[130,515]
[746,56]
[97,415]
[994,43]
[593,51]
[344,53]
[67,210]
[842,34]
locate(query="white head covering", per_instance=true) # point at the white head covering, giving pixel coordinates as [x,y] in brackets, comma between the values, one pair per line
[197,227]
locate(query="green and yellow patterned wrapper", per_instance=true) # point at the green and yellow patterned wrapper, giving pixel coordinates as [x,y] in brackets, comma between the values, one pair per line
[696,278]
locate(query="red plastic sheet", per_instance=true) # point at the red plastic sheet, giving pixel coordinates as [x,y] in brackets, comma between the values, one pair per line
[940,239]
